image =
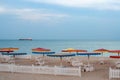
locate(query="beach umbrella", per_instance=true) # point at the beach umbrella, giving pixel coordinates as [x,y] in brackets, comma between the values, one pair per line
[116,57]
[61,55]
[102,50]
[70,50]
[89,54]
[115,51]
[42,51]
[14,54]
[8,50]
[117,62]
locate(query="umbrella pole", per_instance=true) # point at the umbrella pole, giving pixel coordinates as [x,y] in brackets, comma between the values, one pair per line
[88,59]
[60,61]
[102,57]
[102,54]
[43,57]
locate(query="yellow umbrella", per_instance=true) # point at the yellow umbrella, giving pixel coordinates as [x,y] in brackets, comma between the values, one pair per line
[73,50]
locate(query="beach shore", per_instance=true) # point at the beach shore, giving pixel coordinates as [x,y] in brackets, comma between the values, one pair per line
[101,71]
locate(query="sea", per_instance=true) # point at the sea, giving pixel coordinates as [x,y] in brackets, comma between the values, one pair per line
[26,46]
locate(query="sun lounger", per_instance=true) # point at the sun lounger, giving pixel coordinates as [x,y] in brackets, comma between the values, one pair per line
[5,59]
[77,63]
[39,61]
[88,68]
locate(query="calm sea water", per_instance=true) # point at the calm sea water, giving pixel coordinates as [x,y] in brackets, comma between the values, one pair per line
[58,45]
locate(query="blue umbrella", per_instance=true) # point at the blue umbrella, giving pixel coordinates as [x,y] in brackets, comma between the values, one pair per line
[88,54]
[14,54]
[61,55]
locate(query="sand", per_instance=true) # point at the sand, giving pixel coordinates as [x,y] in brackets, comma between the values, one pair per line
[101,72]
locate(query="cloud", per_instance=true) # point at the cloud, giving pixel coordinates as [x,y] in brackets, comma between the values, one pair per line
[93,4]
[35,14]
[32,14]
[2,10]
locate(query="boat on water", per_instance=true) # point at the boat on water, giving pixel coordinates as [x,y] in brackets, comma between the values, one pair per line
[29,39]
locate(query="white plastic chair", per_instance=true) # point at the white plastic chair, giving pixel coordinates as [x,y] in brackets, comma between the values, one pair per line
[88,68]
[77,63]
[5,58]
[39,61]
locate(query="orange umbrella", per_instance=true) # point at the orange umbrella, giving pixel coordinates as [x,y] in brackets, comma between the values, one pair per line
[102,50]
[9,49]
[115,51]
[73,50]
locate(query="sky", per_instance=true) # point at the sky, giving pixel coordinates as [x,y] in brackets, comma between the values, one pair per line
[60,19]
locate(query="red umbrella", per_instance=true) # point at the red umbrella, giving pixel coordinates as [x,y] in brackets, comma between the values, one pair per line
[115,51]
[115,57]
[40,50]
[8,51]
[102,50]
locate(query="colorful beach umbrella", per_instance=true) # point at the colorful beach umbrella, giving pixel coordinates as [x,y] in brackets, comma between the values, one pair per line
[89,54]
[61,55]
[102,50]
[8,50]
[42,51]
[115,51]
[14,54]
[118,57]
[70,50]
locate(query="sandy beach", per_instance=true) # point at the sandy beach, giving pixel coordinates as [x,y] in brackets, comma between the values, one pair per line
[101,72]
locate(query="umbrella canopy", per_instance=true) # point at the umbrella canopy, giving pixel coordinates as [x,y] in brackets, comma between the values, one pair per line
[88,54]
[102,50]
[10,49]
[61,55]
[43,53]
[73,50]
[14,54]
[40,50]
[115,51]
[115,57]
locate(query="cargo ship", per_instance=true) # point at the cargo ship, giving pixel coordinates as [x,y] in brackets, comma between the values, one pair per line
[29,39]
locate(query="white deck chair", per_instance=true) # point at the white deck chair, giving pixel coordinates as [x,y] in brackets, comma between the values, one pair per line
[102,61]
[39,61]
[88,67]
[5,58]
[77,63]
